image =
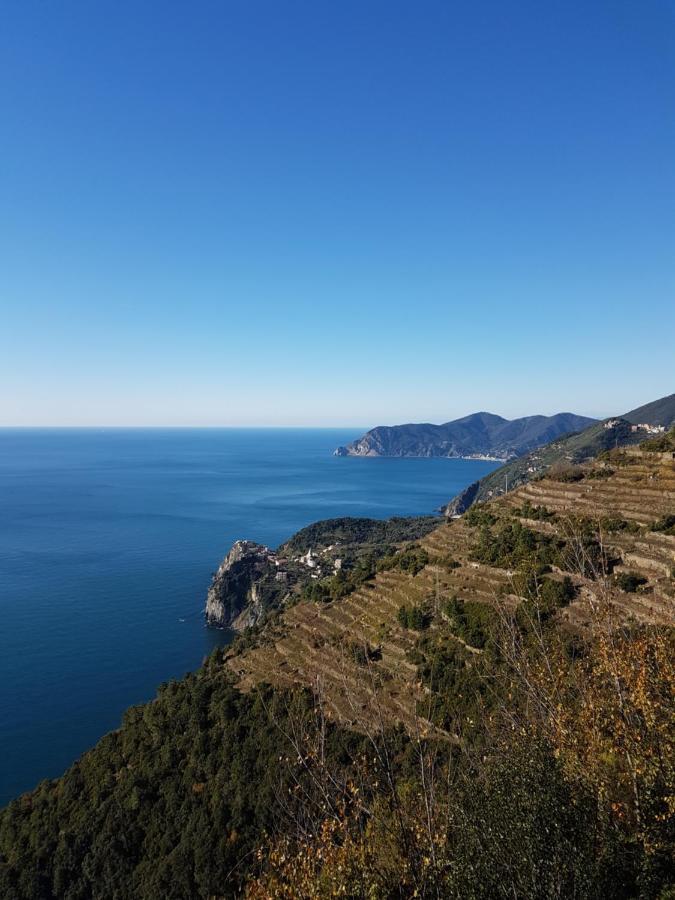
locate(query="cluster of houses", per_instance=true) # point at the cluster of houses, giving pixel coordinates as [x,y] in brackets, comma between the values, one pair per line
[643,426]
[649,429]
[313,561]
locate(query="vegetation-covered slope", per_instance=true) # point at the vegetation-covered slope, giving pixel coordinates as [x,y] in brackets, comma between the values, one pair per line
[569,449]
[480,434]
[658,412]
[488,714]
[254,581]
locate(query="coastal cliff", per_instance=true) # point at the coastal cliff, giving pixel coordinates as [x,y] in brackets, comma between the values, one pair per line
[478,436]
[253,579]
[234,599]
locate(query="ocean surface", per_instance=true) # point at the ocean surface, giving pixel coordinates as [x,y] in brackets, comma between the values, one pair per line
[109,537]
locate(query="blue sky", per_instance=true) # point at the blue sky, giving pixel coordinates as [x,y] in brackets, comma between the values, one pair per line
[300,213]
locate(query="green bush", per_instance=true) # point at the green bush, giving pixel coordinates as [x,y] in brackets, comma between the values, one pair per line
[472,622]
[556,594]
[167,806]
[478,516]
[566,474]
[629,582]
[539,513]
[666,524]
[414,617]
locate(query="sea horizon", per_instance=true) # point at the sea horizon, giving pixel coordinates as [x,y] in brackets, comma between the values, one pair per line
[107,545]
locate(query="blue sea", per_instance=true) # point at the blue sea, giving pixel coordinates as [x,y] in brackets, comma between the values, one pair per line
[109,537]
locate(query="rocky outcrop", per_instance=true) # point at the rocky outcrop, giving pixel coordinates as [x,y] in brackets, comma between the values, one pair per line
[234,599]
[253,580]
[462,501]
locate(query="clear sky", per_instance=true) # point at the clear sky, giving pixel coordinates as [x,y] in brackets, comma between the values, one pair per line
[297,213]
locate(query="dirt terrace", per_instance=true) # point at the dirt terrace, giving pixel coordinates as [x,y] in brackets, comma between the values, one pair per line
[313,644]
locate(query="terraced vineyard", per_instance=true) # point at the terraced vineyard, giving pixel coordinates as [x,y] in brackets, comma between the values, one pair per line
[356,653]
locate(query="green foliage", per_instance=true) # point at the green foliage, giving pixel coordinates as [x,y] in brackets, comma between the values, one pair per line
[566,473]
[512,545]
[525,830]
[460,683]
[661,444]
[556,594]
[615,524]
[362,653]
[449,563]
[600,473]
[355,530]
[479,517]
[342,583]
[414,617]
[411,560]
[629,582]
[165,807]
[666,525]
[582,551]
[539,513]
[472,622]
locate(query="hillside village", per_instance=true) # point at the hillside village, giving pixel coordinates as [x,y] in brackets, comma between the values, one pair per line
[627,500]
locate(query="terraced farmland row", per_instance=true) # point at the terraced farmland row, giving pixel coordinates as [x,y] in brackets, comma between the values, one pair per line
[317,644]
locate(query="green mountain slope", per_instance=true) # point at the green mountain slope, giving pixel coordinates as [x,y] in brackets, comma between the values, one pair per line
[658,412]
[568,450]
[480,434]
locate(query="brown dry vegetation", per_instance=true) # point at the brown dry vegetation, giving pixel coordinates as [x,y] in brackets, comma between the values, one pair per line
[310,643]
[558,780]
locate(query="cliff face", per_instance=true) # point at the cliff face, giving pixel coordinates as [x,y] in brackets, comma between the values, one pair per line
[252,579]
[233,599]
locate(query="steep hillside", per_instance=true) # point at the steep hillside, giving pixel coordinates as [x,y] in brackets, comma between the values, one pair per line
[460,701]
[314,640]
[254,580]
[478,435]
[658,412]
[568,450]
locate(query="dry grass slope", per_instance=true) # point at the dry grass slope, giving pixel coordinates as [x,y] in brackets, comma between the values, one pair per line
[315,644]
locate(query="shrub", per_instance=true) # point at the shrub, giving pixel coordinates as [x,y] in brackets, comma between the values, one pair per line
[362,653]
[613,524]
[600,473]
[666,524]
[556,594]
[567,474]
[540,513]
[472,622]
[412,560]
[414,617]
[477,516]
[629,582]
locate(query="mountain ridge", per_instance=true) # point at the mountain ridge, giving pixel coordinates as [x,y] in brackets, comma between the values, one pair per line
[478,435]
[569,449]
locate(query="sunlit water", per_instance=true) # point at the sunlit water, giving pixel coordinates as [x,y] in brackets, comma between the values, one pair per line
[108,539]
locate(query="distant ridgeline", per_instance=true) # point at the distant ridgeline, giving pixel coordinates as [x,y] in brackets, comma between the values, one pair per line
[631,428]
[480,435]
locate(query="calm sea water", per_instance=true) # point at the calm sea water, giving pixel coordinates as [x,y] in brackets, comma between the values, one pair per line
[108,539]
